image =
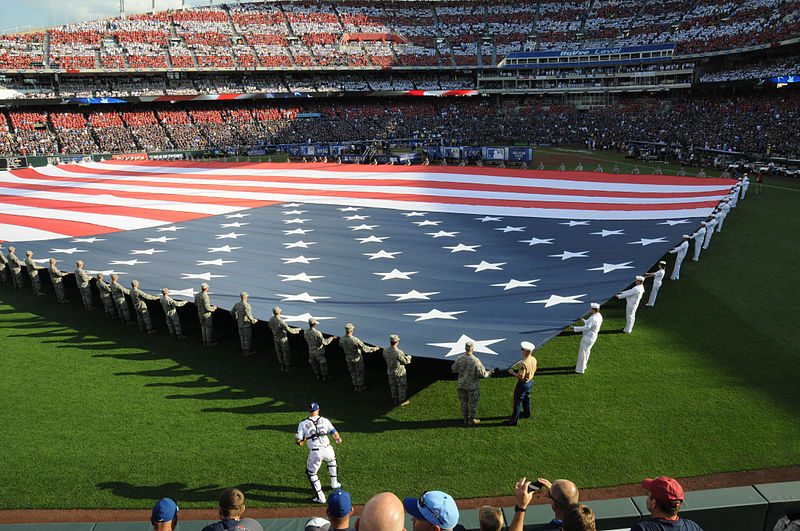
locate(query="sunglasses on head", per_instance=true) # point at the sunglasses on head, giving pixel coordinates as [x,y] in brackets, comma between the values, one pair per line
[434,512]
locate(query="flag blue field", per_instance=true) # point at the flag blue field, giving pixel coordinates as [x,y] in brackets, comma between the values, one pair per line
[439,256]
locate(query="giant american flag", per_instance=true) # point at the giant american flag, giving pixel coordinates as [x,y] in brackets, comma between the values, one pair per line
[438,255]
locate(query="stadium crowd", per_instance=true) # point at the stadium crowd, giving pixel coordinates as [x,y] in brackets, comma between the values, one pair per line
[758,123]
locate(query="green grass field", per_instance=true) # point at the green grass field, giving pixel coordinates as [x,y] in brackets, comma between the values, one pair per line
[96,415]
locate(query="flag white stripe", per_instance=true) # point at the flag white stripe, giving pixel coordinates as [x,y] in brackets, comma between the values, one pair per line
[106,220]
[14,233]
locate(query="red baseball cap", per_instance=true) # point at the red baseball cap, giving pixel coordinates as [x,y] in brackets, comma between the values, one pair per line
[664,489]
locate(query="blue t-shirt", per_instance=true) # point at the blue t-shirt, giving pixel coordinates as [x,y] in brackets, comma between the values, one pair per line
[660,524]
[222,525]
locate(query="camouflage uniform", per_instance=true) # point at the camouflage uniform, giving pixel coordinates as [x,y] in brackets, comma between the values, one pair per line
[118,293]
[82,278]
[316,352]
[353,349]
[105,296]
[470,370]
[279,330]
[396,360]
[15,266]
[5,278]
[205,315]
[243,314]
[56,279]
[171,306]
[138,298]
[33,272]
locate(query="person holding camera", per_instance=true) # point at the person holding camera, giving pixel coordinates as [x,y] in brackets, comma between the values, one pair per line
[562,494]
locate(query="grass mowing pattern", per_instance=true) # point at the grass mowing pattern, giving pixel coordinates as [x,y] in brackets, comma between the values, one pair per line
[96,415]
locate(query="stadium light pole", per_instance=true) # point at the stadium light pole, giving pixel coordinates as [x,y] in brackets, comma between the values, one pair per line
[121,8]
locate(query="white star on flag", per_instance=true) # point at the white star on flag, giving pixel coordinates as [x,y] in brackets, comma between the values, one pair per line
[607,268]
[298,260]
[647,241]
[105,272]
[672,222]
[298,230]
[294,212]
[511,284]
[566,255]
[189,293]
[201,276]
[605,232]
[536,241]
[349,209]
[575,223]
[295,220]
[232,216]
[459,346]
[223,249]
[484,219]
[291,205]
[373,239]
[412,295]
[173,228]
[230,235]
[394,273]
[484,265]
[217,262]
[426,223]
[412,214]
[302,297]
[235,225]
[434,314]
[558,299]
[461,247]
[88,240]
[442,234]
[303,318]
[162,239]
[302,277]
[382,254]
[298,243]
[127,262]
[363,227]
[355,217]
[148,251]
[71,250]
[509,228]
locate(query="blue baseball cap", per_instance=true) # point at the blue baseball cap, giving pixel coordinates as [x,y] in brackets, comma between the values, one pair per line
[434,506]
[313,406]
[164,511]
[339,504]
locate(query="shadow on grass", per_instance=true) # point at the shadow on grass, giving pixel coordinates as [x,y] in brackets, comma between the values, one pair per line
[181,493]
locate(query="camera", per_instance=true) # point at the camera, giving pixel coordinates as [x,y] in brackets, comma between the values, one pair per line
[535,486]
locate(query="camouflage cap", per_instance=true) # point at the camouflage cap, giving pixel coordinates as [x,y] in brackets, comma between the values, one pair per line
[203,286]
[244,295]
[349,327]
[469,345]
[312,321]
[394,338]
[276,310]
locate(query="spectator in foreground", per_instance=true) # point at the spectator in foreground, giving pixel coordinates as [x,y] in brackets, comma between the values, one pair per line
[165,515]
[340,509]
[383,512]
[578,517]
[433,511]
[562,494]
[490,518]
[664,500]
[791,521]
[231,508]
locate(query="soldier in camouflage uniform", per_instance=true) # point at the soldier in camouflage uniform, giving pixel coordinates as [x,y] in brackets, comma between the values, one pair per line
[470,370]
[316,350]
[33,272]
[171,306]
[56,279]
[118,293]
[205,314]
[243,314]
[396,360]
[353,353]
[104,289]
[5,278]
[15,266]
[82,279]
[280,331]
[138,298]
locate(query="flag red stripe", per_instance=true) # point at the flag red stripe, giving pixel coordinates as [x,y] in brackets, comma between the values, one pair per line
[69,228]
[170,216]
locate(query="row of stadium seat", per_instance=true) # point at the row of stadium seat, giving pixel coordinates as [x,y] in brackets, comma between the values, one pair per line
[407,33]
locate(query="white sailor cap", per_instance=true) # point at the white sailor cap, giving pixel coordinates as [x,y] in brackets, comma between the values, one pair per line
[527,346]
[640,278]
[594,306]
